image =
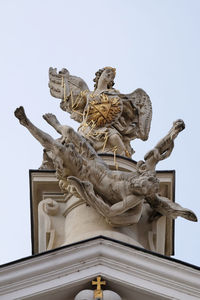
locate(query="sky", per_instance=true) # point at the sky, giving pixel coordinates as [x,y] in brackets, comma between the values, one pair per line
[153,44]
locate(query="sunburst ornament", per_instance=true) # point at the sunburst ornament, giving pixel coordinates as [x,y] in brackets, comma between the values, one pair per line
[104,110]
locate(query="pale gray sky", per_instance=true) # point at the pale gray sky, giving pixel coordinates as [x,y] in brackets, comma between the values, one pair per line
[154,44]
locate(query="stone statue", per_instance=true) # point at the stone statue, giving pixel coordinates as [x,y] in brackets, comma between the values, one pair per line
[109,120]
[118,196]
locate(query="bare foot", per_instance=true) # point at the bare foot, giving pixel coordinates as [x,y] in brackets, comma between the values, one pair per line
[51,119]
[21,116]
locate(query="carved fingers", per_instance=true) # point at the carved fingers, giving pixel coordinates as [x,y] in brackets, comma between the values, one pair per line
[57,77]
[179,125]
[58,82]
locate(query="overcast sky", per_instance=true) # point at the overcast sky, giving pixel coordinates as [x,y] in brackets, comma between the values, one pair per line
[153,44]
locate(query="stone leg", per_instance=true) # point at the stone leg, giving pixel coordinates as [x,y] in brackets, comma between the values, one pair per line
[44,138]
[53,121]
[67,159]
[114,141]
[69,135]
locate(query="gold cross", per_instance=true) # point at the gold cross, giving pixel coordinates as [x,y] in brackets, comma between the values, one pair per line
[98,292]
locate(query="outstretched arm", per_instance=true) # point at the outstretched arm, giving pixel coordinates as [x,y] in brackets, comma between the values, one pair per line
[170,209]
[164,147]
[86,191]
[125,214]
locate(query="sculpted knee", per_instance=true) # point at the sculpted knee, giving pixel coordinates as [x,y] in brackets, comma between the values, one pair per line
[67,131]
[115,141]
[114,138]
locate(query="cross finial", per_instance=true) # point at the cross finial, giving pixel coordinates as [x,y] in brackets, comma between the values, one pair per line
[98,294]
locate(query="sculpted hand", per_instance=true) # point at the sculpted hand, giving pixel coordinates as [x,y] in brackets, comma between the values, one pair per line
[58,83]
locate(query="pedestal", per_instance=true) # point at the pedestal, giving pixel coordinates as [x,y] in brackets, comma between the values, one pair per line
[60,219]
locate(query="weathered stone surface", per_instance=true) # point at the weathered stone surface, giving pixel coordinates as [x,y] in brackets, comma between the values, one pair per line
[100,199]
[89,295]
[116,195]
[109,120]
[76,221]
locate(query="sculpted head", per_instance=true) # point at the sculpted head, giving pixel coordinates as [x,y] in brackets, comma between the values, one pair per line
[106,75]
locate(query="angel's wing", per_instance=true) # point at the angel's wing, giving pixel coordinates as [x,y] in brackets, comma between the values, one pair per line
[137,113]
[70,89]
[142,103]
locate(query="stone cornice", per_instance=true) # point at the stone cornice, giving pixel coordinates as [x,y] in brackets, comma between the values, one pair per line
[72,265]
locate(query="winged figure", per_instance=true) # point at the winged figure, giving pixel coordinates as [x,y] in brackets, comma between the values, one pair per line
[109,120]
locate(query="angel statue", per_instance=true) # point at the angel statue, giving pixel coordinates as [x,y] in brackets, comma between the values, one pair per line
[109,120]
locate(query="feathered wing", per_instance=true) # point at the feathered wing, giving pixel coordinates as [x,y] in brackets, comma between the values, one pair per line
[142,102]
[137,114]
[71,90]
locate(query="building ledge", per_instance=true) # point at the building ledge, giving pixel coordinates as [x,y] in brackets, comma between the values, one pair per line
[134,273]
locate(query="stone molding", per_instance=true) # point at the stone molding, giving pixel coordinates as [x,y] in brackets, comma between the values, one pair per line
[129,271]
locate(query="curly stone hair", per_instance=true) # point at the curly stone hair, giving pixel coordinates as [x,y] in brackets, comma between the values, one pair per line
[98,75]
